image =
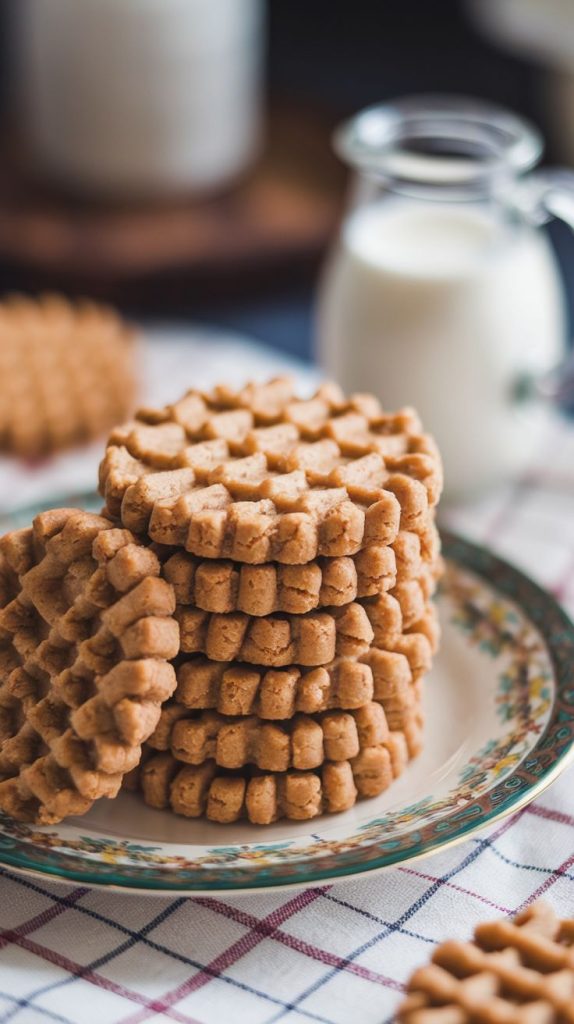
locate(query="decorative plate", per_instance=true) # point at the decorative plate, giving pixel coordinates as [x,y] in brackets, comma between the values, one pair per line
[499,729]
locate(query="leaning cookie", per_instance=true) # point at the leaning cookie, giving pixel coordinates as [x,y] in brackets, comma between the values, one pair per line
[86,633]
[517,971]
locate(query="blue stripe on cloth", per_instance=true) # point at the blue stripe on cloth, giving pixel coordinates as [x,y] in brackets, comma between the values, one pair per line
[132,941]
[37,1009]
[481,846]
[378,920]
[158,947]
[531,867]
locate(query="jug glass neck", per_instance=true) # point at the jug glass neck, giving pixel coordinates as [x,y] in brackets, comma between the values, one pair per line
[445,148]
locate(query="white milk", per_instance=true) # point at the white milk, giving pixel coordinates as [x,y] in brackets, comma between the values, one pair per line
[444,307]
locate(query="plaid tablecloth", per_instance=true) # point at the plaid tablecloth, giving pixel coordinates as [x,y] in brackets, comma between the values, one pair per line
[335,954]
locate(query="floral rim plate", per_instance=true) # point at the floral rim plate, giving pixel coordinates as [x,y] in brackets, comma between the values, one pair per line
[500,728]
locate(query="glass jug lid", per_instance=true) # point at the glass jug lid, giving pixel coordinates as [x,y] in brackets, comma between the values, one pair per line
[424,144]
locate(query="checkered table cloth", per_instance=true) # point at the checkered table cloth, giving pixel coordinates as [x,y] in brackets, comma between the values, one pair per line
[334,954]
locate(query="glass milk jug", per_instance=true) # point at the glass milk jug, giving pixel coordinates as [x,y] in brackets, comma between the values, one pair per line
[443,291]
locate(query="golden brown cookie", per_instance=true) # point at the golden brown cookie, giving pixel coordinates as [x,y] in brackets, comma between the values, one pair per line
[312,638]
[272,694]
[225,586]
[216,585]
[258,475]
[276,640]
[406,624]
[517,972]
[66,373]
[262,798]
[395,686]
[86,632]
[303,742]
[388,676]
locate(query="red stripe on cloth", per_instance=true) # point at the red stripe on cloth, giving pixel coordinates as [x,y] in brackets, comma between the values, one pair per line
[507,824]
[92,976]
[551,880]
[561,588]
[503,516]
[229,956]
[7,934]
[457,888]
[299,945]
[546,812]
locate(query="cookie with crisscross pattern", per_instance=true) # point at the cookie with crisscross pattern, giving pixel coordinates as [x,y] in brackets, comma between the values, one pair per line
[516,972]
[258,475]
[236,689]
[315,638]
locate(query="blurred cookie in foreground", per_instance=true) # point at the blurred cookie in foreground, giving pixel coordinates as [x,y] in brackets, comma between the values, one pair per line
[516,972]
[66,373]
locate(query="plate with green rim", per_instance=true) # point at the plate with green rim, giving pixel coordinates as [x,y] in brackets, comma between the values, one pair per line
[499,707]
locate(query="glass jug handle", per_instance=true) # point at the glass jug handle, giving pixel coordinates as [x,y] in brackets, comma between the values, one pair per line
[547,194]
[541,197]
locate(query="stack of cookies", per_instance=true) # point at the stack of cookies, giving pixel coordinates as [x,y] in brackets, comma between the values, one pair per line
[299,538]
[245,629]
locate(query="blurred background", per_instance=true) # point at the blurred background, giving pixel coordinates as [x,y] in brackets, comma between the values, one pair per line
[245,252]
[174,160]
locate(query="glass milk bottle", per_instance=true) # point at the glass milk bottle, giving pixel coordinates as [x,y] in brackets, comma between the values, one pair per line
[443,291]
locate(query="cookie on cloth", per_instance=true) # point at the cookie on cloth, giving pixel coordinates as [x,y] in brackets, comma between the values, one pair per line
[66,373]
[258,475]
[86,634]
[516,972]
[264,797]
